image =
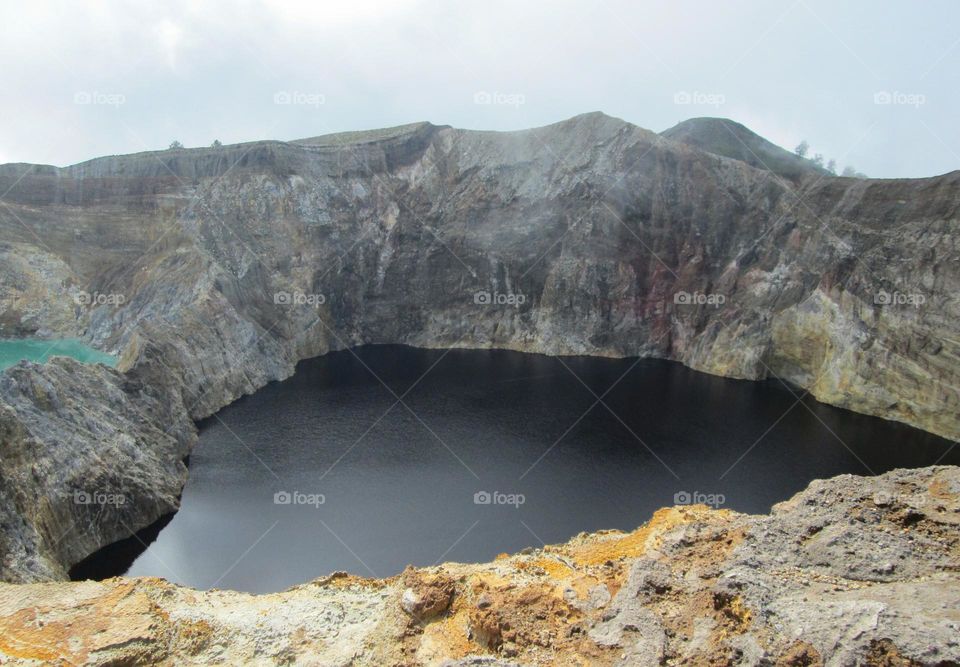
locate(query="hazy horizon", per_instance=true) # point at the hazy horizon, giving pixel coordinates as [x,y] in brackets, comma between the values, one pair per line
[871,85]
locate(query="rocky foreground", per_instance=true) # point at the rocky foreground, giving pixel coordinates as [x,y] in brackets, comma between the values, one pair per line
[852,571]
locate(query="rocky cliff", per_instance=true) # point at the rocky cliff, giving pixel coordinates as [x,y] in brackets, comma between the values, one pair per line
[213,271]
[852,571]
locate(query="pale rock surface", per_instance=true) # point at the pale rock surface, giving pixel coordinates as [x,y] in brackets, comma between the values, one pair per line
[694,586]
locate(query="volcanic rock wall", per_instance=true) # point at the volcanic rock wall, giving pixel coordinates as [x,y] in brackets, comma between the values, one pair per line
[214,271]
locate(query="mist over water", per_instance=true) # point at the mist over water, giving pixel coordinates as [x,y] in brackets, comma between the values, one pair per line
[488,452]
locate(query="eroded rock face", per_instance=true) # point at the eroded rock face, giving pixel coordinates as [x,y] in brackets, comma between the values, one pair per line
[85,463]
[213,271]
[851,571]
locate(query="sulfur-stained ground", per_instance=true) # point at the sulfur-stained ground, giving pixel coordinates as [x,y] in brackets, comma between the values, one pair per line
[852,571]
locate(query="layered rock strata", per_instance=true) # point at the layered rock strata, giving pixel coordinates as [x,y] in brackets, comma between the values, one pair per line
[211,272]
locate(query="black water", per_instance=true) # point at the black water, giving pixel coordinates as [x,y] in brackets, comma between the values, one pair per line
[398,484]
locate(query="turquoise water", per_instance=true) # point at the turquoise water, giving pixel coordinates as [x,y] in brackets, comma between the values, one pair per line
[12,351]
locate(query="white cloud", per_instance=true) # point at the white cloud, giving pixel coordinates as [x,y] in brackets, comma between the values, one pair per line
[336,12]
[199,71]
[169,35]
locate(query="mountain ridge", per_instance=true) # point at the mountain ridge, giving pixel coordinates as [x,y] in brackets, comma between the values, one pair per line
[728,138]
[700,133]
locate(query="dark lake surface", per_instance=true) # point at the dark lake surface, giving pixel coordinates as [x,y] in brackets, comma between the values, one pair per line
[327,470]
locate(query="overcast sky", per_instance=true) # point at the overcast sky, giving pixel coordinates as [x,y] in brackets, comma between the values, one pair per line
[874,84]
